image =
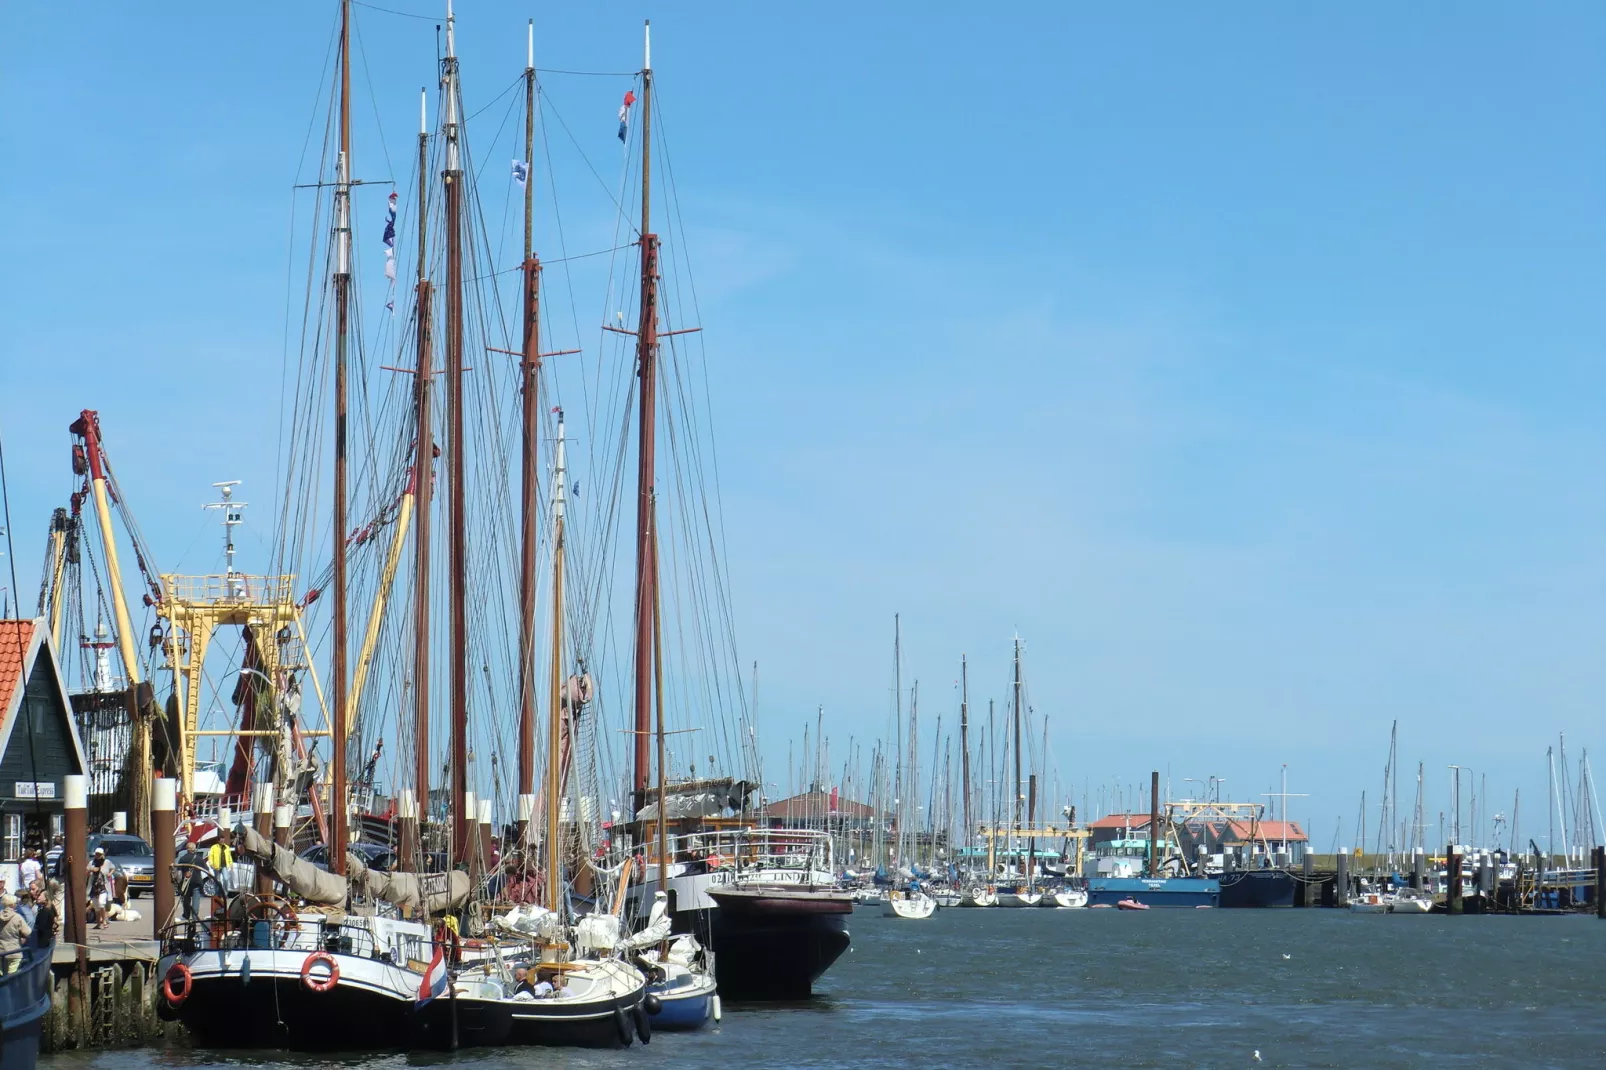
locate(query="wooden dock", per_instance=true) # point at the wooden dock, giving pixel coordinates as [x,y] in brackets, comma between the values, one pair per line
[116,1006]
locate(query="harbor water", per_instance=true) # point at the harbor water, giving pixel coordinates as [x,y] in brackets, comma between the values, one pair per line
[1178,988]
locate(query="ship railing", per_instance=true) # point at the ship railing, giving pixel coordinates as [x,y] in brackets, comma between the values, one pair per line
[277,929]
[229,587]
[752,849]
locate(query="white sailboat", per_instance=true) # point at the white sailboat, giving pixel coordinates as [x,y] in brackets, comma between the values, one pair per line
[913,904]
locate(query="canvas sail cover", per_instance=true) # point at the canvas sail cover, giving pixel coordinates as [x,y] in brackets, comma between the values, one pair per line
[435,892]
[302,877]
[658,924]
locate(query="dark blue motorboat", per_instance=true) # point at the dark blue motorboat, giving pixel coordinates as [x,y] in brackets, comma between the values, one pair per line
[24,1002]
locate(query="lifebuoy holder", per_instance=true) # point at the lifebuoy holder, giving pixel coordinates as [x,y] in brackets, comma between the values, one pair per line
[313,960]
[182,972]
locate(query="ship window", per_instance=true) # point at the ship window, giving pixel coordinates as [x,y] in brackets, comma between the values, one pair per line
[13,836]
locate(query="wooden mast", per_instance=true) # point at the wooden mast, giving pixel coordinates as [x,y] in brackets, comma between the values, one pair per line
[658,680]
[551,863]
[457,536]
[424,477]
[342,236]
[646,367]
[530,368]
[964,743]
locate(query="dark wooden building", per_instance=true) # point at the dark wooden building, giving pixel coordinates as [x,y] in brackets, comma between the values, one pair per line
[39,743]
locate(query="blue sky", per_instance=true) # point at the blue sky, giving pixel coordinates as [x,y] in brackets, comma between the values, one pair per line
[1246,362]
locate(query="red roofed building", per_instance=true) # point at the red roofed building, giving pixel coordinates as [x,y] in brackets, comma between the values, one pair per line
[38,742]
[814,809]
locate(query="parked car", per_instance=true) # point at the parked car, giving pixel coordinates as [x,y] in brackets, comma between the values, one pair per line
[132,857]
[376,857]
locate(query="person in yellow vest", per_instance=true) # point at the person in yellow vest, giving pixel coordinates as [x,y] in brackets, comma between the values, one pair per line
[220,860]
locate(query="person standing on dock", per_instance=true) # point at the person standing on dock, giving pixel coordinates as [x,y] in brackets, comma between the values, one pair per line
[31,869]
[13,933]
[102,874]
[47,919]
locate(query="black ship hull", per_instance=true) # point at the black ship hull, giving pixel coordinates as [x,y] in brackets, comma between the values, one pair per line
[1257,888]
[773,944]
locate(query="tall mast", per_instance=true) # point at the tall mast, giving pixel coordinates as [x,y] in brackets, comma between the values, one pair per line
[647,369]
[554,773]
[424,478]
[1015,831]
[458,534]
[964,743]
[342,237]
[658,680]
[529,368]
[897,735]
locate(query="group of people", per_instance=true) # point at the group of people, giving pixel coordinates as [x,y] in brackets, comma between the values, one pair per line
[544,983]
[31,916]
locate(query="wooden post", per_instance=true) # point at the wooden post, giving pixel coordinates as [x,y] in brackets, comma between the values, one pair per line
[164,801]
[1600,882]
[526,815]
[75,792]
[74,859]
[1154,821]
[407,829]
[1341,880]
[264,826]
[283,814]
[485,837]
[1452,868]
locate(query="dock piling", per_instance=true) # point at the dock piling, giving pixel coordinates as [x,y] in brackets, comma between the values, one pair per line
[1341,880]
[164,801]
[1452,876]
[1600,882]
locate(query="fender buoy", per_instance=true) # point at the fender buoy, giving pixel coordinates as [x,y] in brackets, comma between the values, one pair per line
[652,1003]
[621,1022]
[181,972]
[717,1007]
[327,983]
[643,1025]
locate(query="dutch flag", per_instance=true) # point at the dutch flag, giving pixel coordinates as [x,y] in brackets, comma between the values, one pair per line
[435,979]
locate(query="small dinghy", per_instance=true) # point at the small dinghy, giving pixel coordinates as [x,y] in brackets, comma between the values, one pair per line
[1131,904]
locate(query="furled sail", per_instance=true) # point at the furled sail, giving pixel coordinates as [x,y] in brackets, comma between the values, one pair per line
[658,924]
[436,892]
[302,877]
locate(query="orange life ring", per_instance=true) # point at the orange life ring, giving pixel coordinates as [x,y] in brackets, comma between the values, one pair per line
[181,971]
[327,983]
